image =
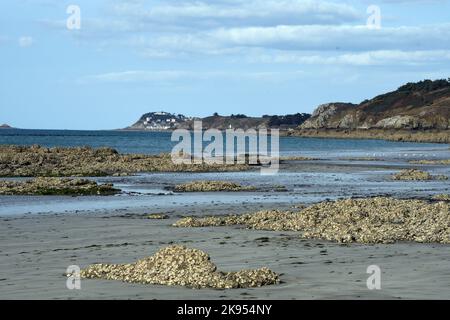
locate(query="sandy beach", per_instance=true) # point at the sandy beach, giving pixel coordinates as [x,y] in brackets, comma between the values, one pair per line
[36,248]
[40,249]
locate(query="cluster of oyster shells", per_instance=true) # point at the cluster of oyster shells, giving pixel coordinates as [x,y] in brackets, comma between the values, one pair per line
[210,186]
[181,266]
[416,175]
[157,216]
[372,220]
[442,197]
[441,161]
[55,186]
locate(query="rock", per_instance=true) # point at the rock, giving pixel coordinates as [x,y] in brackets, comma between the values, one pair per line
[398,122]
[182,266]
[323,114]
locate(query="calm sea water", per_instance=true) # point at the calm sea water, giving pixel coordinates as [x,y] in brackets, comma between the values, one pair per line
[158,142]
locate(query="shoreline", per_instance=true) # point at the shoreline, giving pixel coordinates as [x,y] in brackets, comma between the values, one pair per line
[434,136]
[397,135]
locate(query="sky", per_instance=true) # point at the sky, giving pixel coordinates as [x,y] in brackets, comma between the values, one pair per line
[197,57]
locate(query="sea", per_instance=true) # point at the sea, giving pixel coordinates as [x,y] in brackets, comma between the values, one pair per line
[149,142]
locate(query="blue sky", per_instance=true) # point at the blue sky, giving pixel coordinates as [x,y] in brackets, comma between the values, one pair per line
[200,57]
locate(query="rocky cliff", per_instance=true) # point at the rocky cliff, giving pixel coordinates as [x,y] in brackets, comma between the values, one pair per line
[421,105]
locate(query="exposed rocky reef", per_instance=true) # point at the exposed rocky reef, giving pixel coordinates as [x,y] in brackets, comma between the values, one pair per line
[180,266]
[371,220]
[444,162]
[32,161]
[416,175]
[56,186]
[435,136]
[211,186]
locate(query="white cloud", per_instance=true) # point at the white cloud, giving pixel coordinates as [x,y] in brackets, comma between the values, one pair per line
[195,14]
[337,40]
[300,31]
[25,41]
[163,77]
[337,37]
[370,58]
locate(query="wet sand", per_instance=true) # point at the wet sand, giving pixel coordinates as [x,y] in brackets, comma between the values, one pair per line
[36,249]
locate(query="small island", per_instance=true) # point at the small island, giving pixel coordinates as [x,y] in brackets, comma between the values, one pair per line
[5,126]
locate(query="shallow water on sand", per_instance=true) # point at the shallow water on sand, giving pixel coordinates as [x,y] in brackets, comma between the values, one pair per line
[304,183]
[334,176]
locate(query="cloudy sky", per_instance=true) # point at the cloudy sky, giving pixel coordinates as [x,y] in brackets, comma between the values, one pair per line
[199,57]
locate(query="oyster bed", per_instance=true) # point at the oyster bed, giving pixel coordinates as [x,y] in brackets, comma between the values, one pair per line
[210,186]
[442,197]
[416,175]
[372,220]
[182,266]
[157,216]
[33,161]
[56,186]
[445,161]
[437,136]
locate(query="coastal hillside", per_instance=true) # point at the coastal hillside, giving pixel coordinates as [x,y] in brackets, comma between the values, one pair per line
[421,105]
[159,121]
[166,121]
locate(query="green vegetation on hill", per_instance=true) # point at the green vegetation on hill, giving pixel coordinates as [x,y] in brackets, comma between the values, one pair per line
[423,105]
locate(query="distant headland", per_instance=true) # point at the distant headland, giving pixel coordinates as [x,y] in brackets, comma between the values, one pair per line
[5,126]
[163,121]
[423,105]
[414,112]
